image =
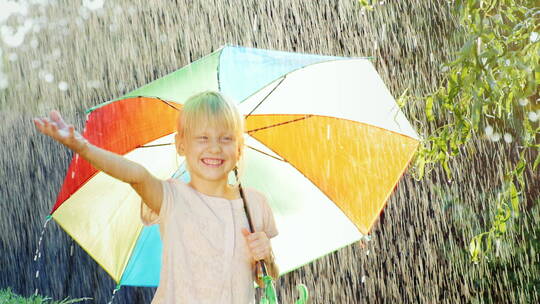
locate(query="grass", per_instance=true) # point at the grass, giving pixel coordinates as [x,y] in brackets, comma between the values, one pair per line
[8,297]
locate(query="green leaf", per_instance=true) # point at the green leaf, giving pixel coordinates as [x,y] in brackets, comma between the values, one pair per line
[502,227]
[514,197]
[429,108]
[536,161]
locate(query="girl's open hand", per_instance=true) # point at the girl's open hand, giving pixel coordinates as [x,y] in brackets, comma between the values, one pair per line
[55,127]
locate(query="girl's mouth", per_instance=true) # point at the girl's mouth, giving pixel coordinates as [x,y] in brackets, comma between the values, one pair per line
[212,162]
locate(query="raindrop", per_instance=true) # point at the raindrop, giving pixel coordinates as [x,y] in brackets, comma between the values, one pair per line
[79,22]
[34,43]
[507,137]
[84,12]
[48,77]
[113,27]
[93,84]
[36,28]
[11,8]
[12,37]
[523,101]
[63,86]
[444,69]
[118,10]
[93,4]
[13,57]
[367,252]
[56,53]
[100,12]
[132,10]
[495,137]
[4,83]
[533,116]
[37,274]
[488,130]
[35,64]
[533,37]
[363,279]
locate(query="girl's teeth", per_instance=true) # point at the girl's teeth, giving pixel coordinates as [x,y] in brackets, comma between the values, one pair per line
[212,161]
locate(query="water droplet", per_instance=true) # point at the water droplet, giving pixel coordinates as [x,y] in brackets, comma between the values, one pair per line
[488,130]
[48,77]
[35,64]
[367,252]
[507,137]
[34,43]
[523,102]
[93,4]
[72,174]
[113,27]
[4,82]
[13,57]
[118,10]
[533,37]
[533,116]
[63,86]
[37,274]
[84,12]
[495,137]
[364,279]
[93,84]
[56,53]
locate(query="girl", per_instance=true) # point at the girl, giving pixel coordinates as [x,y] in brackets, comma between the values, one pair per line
[208,252]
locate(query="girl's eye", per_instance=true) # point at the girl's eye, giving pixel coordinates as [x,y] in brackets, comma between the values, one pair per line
[227,138]
[202,138]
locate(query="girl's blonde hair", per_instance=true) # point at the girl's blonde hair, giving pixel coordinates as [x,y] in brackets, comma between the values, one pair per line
[211,107]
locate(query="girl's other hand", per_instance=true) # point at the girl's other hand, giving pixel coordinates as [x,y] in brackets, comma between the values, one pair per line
[55,127]
[259,245]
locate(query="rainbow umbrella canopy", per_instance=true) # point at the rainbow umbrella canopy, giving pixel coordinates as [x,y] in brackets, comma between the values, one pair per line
[325,142]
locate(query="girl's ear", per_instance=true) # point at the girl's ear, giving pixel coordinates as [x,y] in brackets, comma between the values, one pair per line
[179,144]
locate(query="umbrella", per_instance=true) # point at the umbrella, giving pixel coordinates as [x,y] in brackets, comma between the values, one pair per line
[325,140]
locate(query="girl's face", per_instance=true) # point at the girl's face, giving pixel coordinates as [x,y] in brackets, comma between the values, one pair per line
[211,153]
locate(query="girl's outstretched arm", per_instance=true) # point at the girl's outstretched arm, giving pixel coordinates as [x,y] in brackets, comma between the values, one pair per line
[117,166]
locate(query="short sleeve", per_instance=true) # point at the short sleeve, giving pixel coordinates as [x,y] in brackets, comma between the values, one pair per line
[148,216]
[269,224]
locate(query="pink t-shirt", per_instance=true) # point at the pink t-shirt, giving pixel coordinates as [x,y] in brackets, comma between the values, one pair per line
[205,256]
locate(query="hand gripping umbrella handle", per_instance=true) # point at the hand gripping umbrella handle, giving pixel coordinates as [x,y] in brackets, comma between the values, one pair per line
[269,296]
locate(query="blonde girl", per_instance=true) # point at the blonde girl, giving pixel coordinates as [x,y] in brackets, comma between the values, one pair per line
[208,252]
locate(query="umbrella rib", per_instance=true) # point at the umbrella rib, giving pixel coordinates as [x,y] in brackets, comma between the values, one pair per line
[156,145]
[255,108]
[280,159]
[279,124]
[166,102]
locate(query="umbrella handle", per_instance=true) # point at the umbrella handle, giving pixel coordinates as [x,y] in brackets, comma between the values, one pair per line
[269,295]
[303,298]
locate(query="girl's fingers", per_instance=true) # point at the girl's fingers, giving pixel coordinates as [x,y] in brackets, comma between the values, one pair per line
[38,124]
[57,118]
[71,131]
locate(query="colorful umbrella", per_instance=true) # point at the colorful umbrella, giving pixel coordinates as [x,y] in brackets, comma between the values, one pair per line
[326,143]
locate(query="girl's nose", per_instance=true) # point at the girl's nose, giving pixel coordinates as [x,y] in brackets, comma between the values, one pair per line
[215,147]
